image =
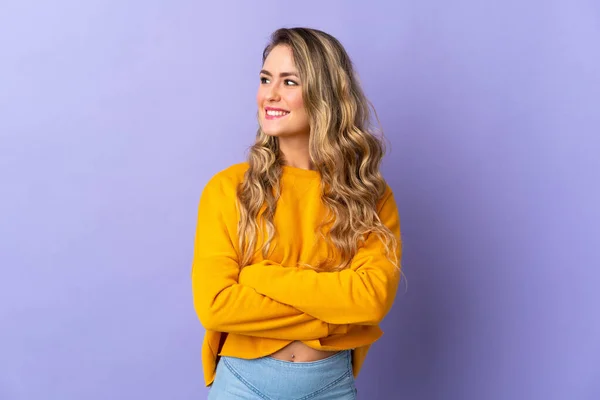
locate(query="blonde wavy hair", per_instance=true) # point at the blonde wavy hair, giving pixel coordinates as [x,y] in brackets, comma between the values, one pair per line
[343,148]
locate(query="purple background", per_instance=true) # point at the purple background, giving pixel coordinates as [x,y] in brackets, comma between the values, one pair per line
[113,116]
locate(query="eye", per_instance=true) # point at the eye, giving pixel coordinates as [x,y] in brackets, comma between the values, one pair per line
[289,82]
[264,80]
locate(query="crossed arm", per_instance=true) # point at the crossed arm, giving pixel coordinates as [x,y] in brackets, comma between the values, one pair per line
[304,304]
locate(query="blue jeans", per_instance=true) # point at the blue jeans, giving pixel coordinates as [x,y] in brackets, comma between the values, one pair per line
[271,379]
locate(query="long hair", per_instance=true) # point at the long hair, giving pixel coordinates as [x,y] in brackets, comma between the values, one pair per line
[343,147]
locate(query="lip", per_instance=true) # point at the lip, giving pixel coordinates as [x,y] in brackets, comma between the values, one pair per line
[271,117]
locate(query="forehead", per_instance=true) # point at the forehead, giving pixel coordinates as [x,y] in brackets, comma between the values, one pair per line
[280,59]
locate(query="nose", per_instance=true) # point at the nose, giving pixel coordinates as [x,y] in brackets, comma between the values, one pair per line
[273,93]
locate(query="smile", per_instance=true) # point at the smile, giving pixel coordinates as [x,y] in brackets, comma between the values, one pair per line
[274,113]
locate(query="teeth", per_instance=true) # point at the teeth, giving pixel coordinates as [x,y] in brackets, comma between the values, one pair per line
[273,113]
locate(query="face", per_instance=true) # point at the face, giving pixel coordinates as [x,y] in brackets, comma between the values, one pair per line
[281,111]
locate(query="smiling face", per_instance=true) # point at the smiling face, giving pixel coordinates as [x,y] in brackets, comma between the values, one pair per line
[281,111]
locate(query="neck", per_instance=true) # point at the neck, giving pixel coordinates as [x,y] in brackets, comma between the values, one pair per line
[295,151]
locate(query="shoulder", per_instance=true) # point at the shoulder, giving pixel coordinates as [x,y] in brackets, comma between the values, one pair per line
[386,198]
[385,193]
[232,174]
[227,180]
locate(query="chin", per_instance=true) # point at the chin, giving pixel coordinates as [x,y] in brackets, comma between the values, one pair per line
[272,134]
[275,132]
[281,133]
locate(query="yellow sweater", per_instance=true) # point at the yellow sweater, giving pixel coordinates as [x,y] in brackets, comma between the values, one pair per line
[275,301]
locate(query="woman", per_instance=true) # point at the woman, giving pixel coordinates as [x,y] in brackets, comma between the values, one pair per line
[297,251]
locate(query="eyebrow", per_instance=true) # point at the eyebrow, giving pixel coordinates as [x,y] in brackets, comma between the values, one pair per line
[282,75]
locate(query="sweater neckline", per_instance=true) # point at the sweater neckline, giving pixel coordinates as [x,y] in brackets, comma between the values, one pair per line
[306,173]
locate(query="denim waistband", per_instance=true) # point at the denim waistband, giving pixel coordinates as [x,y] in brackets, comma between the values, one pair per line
[270,378]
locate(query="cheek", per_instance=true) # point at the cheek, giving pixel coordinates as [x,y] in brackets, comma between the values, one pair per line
[296,102]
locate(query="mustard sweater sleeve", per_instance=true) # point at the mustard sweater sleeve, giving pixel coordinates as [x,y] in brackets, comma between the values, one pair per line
[222,304]
[361,294]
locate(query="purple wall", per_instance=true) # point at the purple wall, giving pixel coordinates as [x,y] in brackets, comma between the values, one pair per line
[113,115]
